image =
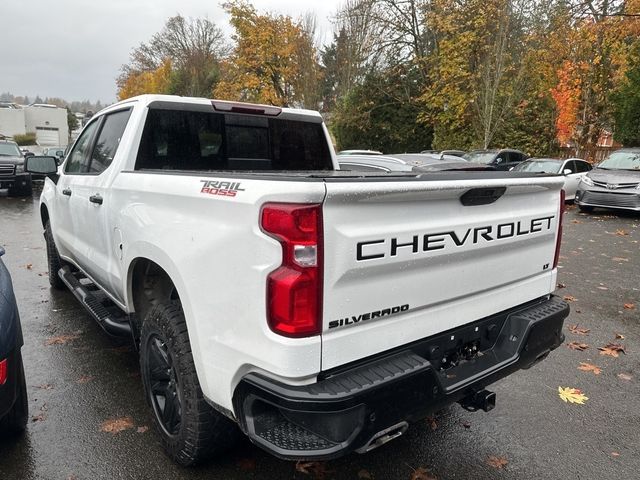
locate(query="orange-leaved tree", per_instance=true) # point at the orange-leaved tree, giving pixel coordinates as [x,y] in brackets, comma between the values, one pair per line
[153,81]
[272,59]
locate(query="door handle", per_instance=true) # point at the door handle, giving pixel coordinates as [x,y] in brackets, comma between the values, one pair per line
[66,192]
[96,199]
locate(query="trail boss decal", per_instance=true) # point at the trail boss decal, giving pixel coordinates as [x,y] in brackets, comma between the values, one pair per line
[428,242]
[355,319]
[220,188]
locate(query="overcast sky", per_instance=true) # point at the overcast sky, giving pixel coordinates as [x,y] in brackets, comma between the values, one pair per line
[73,49]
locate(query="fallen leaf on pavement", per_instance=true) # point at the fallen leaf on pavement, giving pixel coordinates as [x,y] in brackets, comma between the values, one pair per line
[142,429]
[587,367]
[570,298]
[45,386]
[612,349]
[572,395]
[116,425]
[619,336]
[497,462]
[619,259]
[621,233]
[625,377]
[615,454]
[578,346]
[576,221]
[317,469]
[431,421]
[29,266]
[422,474]
[42,415]
[561,285]
[61,339]
[629,306]
[578,331]
[85,379]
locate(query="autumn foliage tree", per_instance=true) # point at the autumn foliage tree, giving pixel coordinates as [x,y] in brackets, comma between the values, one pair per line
[274,60]
[183,58]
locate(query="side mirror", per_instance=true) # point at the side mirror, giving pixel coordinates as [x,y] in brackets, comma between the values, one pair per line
[28,154]
[41,165]
[1,251]
[567,171]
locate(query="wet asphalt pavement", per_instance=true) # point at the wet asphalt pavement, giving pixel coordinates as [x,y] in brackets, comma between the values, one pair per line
[85,378]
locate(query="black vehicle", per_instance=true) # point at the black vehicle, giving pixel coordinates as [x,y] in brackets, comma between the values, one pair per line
[12,174]
[614,183]
[13,389]
[504,159]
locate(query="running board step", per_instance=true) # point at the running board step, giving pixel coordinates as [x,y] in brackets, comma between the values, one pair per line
[110,319]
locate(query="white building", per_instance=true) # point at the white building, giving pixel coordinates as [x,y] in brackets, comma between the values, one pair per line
[48,122]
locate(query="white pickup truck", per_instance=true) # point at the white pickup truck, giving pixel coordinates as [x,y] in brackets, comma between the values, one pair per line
[321,311]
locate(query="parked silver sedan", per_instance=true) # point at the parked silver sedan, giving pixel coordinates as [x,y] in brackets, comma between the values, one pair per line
[614,183]
[573,170]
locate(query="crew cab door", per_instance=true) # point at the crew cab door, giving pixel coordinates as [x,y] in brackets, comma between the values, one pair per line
[66,222]
[96,252]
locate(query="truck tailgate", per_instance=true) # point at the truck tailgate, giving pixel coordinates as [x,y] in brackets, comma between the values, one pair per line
[407,259]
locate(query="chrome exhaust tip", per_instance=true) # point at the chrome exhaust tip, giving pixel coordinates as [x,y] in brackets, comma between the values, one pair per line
[384,436]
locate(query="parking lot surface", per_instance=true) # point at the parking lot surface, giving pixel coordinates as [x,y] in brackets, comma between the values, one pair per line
[89,420]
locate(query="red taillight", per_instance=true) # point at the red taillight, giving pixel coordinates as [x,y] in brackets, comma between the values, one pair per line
[559,239]
[294,290]
[3,372]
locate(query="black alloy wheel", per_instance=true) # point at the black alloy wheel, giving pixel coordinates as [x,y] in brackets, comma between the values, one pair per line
[165,391]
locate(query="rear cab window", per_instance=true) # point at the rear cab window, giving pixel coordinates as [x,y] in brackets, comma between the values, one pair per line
[212,141]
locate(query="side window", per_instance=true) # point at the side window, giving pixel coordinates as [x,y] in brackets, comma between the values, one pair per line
[78,156]
[108,140]
[571,165]
[582,167]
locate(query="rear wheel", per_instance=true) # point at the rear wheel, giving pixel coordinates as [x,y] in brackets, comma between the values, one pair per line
[190,429]
[585,208]
[53,259]
[15,421]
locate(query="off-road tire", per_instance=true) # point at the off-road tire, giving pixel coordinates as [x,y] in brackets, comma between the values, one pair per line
[585,208]
[15,420]
[53,259]
[202,432]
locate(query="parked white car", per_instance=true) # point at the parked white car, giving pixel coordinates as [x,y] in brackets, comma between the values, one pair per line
[573,170]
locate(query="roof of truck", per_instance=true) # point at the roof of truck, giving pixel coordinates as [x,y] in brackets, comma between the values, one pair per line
[207,104]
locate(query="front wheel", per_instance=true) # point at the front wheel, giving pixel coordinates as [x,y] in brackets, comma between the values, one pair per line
[190,429]
[53,259]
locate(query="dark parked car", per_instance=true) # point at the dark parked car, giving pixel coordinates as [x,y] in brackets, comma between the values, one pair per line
[13,389]
[504,159]
[614,183]
[407,162]
[12,174]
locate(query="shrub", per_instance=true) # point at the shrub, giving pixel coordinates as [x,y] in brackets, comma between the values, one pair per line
[28,138]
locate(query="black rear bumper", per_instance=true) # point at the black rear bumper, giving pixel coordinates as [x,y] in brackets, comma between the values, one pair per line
[348,408]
